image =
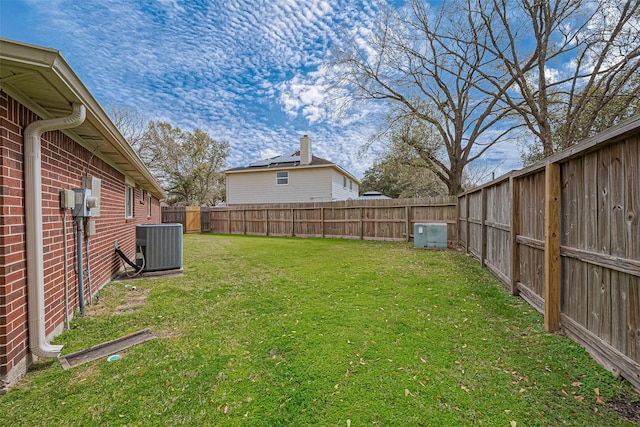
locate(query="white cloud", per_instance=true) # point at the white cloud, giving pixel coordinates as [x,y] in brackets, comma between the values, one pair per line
[255,74]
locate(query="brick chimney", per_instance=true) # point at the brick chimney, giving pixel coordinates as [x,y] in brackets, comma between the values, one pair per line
[305,150]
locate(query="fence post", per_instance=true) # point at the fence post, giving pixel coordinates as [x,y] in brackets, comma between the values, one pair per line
[552,248]
[466,199]
[293,222]
[407,214]
[513,234]
[483,234]
[244,221]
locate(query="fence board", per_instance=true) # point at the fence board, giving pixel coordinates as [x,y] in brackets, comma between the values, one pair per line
[462,221]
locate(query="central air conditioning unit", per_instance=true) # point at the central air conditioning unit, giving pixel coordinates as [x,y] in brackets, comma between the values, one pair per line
[159,247]
[430,236]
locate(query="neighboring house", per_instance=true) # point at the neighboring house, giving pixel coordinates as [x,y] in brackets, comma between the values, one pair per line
[54,136]
[292,178]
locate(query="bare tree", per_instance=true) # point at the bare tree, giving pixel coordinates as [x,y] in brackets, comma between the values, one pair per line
[566,67]
[413,62]
[132,124]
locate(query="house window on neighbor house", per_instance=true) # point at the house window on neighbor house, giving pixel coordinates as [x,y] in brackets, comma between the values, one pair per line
[141,195]
[350,185]
[148,205]
[344,182]
[128,201]
[282,178]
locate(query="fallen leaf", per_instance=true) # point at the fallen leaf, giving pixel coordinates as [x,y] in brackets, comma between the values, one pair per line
[348,423]
[576,383]
[598,398]
[513,423]
[580,398]
[406,392]
[336,386]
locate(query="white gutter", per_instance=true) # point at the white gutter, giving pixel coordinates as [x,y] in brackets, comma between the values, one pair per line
[33,211]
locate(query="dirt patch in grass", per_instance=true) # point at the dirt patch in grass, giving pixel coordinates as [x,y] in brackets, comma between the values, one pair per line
[169,334]
[134,301]
[627,408]
[116,300]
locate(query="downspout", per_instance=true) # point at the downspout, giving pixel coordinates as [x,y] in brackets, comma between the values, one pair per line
[33,211]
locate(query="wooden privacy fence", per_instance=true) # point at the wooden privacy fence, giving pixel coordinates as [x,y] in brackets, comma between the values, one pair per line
[390,219]
[565,235]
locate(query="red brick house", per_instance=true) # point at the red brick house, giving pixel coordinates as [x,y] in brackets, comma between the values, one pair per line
[54,136]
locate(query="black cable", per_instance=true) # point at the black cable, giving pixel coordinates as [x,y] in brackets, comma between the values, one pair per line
[127,260]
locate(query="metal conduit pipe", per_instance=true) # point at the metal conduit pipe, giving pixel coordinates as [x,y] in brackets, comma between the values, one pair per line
[86,245]
[33,212]
[80,264]
[66,269]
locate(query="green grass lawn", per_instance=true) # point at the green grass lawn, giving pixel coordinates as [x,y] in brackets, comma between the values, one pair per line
[292,332]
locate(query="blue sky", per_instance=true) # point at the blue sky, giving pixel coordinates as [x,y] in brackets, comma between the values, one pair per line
[253,73]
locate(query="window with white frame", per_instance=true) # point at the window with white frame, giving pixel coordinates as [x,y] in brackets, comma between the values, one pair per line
[128,201]
[148,205]
[282,178]
[141,195]
[344,182]
[350,185]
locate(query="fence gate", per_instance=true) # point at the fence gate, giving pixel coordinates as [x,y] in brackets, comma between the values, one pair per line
[193,219]
[205,220]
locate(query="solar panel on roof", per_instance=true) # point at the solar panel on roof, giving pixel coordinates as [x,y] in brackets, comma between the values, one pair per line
[263,162]
[285,158]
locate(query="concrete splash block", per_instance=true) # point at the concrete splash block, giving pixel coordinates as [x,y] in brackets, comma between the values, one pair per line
[104,349]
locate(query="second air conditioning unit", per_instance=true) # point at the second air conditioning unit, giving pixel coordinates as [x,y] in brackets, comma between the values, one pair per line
[430,236]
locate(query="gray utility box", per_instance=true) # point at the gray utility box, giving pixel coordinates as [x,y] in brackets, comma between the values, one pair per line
[160,245]
[430,236]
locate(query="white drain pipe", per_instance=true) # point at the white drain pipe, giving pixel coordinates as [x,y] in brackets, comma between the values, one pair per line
[33,211]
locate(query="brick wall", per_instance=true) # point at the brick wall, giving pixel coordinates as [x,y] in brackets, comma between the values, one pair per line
[64,162]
